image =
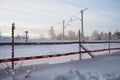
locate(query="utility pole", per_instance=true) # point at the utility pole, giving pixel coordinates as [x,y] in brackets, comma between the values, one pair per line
[26,32]
[82,31]
[13,27]
[63,29]
[82,28]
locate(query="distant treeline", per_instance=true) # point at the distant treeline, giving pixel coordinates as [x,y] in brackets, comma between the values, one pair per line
[72,35]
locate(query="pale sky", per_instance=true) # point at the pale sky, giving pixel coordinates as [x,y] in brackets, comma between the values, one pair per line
[40,15]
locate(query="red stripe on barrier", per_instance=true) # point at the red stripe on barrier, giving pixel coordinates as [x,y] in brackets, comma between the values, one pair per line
[52,55]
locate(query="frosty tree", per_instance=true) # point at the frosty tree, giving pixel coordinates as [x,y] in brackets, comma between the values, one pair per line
[52,33]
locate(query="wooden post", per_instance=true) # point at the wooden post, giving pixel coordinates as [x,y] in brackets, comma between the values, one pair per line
[109,38]
[79,45]
[87,50]
[13,27]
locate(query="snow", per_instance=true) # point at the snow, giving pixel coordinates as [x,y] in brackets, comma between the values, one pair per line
[87,76]
[104,67]
[35,50]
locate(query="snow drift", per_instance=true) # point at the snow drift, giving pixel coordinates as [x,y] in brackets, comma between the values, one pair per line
[76,75]
[104,67]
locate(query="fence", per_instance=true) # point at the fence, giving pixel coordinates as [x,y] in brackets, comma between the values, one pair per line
[29,51]
[36,51]
[53,55]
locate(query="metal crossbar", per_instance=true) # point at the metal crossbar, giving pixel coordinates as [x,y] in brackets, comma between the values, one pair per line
[57,43]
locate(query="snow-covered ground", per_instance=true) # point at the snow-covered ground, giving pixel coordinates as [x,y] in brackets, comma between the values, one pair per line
[104,67]
[35,50]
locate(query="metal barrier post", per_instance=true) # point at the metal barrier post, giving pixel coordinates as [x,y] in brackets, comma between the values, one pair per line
[109,37]
[13,27]
[79,46]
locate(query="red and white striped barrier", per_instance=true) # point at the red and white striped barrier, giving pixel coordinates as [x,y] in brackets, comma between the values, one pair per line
[52,55]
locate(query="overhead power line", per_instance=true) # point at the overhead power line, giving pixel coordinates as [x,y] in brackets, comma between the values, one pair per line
[106,15]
